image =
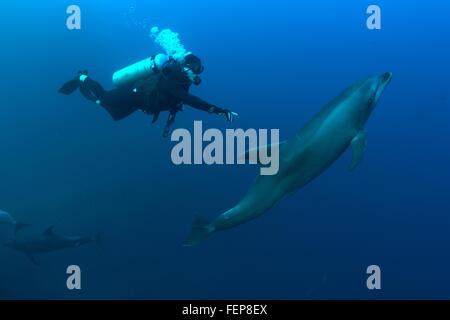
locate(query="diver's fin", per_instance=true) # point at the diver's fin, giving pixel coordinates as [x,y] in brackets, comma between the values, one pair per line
[87,93]
[32,259]
[156,117]
[70,86]
[19,226]
[253,154]
[49,232]
[200,231]
[359,145]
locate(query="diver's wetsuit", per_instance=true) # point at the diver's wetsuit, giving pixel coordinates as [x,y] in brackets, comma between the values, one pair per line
[171,90]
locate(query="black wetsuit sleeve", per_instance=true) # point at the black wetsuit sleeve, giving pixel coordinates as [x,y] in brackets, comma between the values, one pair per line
[185,97]
[191,100]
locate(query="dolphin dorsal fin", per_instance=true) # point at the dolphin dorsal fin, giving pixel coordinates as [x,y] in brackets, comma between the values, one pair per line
[49,231]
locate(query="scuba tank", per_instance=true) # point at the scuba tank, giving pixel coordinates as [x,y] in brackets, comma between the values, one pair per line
[140,70]
[146,73]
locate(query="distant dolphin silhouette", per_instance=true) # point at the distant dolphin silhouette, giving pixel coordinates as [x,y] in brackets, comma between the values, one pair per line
[305,156]
[6,218]
[49,241]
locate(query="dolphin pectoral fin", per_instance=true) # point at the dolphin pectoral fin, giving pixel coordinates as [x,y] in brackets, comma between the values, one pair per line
[255,152]
[32,259]
[359,146]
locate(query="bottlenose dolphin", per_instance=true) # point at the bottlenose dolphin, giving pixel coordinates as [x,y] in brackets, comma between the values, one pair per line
[49,241]
[6,218]
[315,147]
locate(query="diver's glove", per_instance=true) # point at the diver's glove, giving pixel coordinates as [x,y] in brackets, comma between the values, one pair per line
[230,115]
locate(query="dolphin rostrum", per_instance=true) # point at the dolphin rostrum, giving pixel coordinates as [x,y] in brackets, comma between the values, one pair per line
[49,241]
[339,125]
[6,218]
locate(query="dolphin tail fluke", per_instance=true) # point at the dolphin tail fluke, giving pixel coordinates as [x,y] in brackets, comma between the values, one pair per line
[200,231]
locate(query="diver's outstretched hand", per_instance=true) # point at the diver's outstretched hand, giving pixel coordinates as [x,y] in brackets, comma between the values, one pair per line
[230,115]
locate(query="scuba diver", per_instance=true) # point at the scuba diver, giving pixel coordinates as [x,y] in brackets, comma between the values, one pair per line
[153,85]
